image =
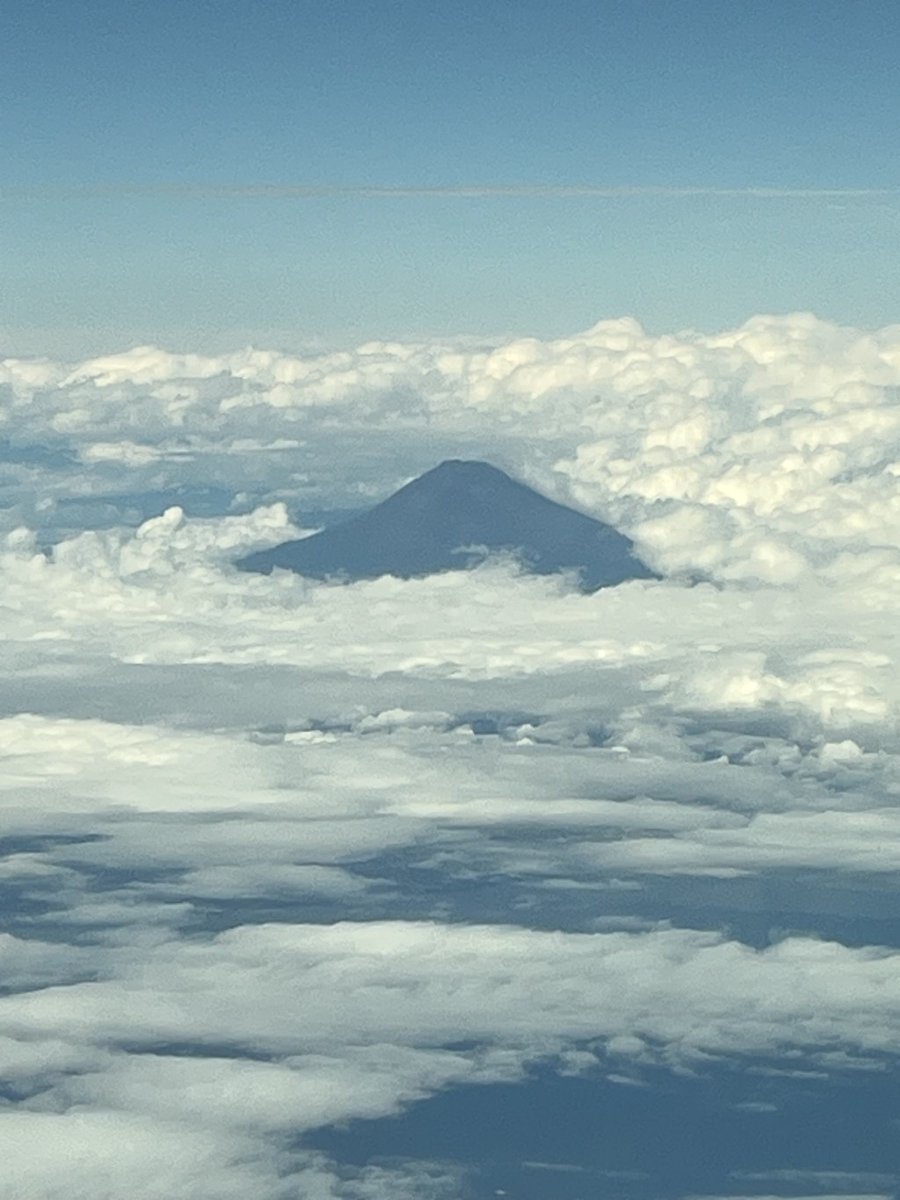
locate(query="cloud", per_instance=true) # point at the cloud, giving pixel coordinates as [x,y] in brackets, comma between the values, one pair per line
[313,191]
[809,1196]
[280,854]
[823,1179]
[102,1155]
[27,964]
[755,455]
[356,1019]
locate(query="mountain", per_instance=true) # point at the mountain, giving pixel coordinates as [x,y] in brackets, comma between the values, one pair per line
[450,518]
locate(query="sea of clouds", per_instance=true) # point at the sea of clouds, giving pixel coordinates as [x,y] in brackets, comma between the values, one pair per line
[280,854]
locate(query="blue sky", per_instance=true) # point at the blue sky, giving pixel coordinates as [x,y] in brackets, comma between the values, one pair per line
[135,138]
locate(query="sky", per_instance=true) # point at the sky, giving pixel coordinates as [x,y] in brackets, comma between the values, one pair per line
[300,174]
[474,884]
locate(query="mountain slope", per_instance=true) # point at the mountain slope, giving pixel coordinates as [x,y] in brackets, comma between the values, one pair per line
[448,519]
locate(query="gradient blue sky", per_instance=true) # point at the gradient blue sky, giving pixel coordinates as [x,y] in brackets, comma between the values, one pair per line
[135,139]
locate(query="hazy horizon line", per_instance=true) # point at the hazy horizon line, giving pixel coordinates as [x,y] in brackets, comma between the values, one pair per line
[312,191]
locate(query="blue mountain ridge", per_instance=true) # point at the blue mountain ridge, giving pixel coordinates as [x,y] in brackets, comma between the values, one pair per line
[452,518]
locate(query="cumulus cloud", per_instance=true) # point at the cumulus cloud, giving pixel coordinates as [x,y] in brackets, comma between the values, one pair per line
[755,454]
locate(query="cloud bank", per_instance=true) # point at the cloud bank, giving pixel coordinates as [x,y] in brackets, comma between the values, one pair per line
[760,453]
[278,855]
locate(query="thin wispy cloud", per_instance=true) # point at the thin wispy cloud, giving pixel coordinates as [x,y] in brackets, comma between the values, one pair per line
[500,191]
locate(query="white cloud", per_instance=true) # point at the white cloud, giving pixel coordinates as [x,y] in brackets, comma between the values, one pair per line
[28,964]
[104,1155]
[785,431]
[187,748]
[352,1020]
[359,1018]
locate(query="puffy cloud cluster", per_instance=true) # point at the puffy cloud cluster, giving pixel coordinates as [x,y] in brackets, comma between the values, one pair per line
[280,854]
[757,454]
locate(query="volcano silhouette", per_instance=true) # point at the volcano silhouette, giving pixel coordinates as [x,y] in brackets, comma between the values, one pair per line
[452,518]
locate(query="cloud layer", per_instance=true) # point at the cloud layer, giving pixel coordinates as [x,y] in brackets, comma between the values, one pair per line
[755,454]
[280,854]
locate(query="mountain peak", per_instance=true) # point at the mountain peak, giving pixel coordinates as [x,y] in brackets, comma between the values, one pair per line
[451,518]
[462,473]
[464,468]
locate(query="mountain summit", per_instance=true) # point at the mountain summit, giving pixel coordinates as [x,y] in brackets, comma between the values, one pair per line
[451,518]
